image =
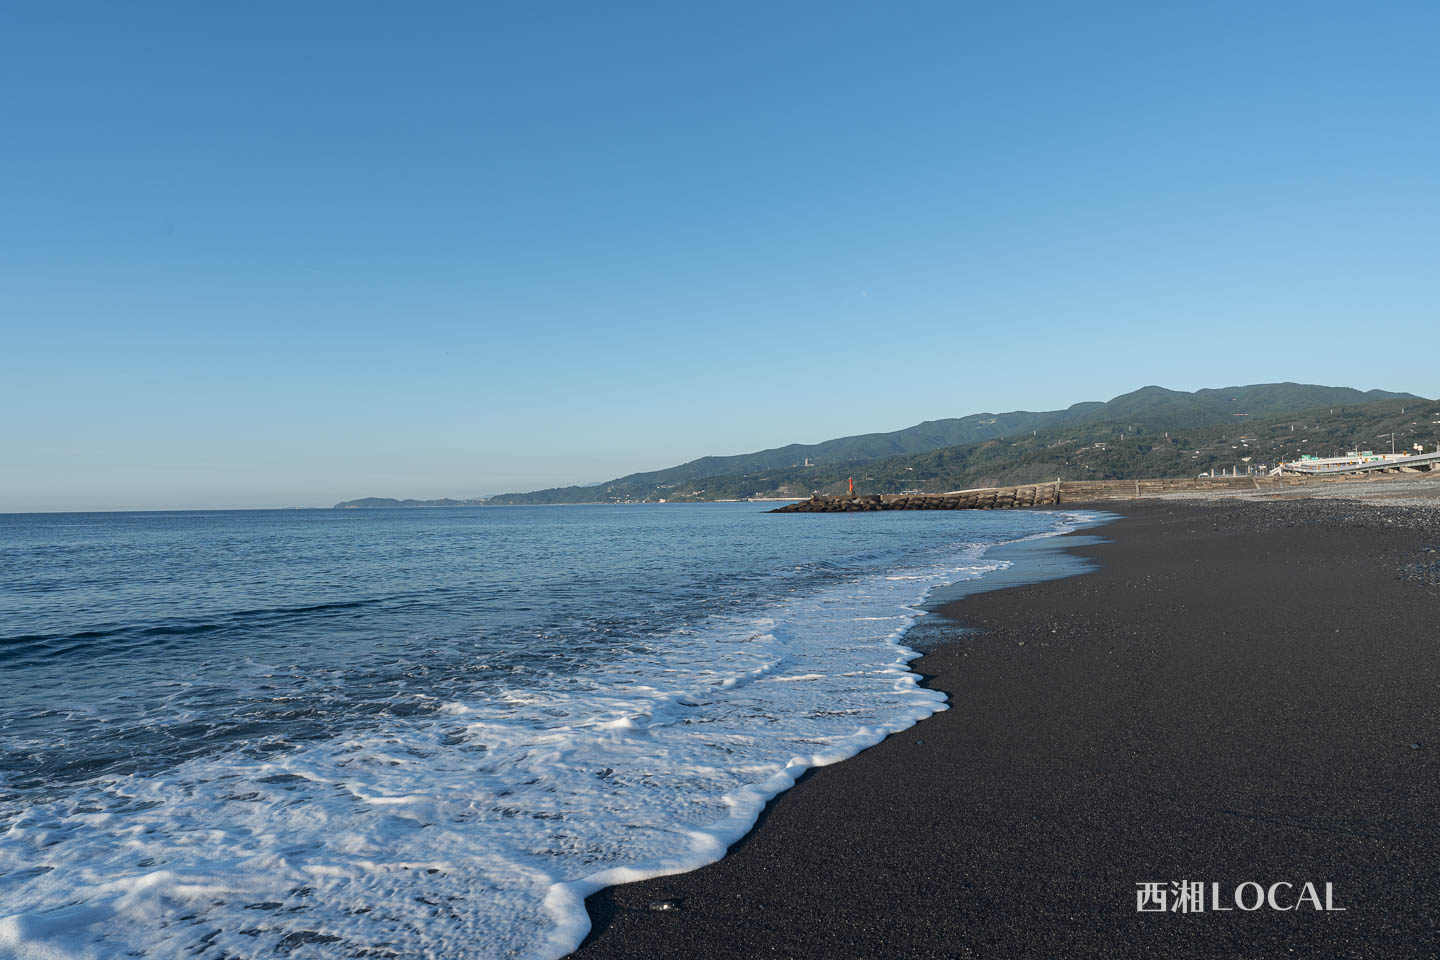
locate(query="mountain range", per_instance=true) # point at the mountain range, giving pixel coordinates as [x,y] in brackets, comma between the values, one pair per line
[1145,411]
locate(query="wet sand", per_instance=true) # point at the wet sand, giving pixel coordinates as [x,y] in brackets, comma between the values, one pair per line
[1241,692]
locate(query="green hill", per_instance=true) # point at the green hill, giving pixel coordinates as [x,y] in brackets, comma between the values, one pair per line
[1107,450]
[1150,408]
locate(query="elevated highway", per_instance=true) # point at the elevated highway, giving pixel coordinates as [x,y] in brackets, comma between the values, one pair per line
[1402,464]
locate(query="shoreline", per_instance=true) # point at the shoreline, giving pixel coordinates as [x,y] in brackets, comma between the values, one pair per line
[1030,558]
[1266,720]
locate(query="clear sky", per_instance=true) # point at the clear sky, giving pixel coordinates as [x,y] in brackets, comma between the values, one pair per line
[287,253]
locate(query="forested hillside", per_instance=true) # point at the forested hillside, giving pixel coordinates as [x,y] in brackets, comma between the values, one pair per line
[1109,450]
[958,450]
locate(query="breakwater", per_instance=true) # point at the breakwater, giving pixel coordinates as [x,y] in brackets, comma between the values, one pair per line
[1033,494]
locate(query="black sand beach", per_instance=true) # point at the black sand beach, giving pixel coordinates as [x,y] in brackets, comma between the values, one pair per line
[1243,692]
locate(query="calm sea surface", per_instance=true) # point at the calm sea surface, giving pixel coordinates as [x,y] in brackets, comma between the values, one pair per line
[405,733]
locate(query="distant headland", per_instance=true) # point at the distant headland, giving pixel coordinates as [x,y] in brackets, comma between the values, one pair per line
[380,503]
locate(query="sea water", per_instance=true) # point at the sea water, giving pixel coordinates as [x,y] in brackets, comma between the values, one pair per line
[428,733]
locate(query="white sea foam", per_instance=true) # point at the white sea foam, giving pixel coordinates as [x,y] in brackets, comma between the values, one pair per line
[476,830]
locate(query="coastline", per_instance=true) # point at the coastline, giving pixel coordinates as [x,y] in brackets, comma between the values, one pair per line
[1030,558]
[1240,692]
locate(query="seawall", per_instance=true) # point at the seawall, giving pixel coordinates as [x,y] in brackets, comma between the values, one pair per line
[1035,494]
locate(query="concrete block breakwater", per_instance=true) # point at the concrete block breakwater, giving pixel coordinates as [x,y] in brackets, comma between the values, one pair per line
[1031,494]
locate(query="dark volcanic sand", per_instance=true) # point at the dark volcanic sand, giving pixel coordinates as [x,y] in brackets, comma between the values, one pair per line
[1232,697]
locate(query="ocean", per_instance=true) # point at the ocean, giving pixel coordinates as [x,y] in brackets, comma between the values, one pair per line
[429,732]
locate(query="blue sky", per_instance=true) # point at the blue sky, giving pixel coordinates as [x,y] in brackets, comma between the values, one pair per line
[279,254]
